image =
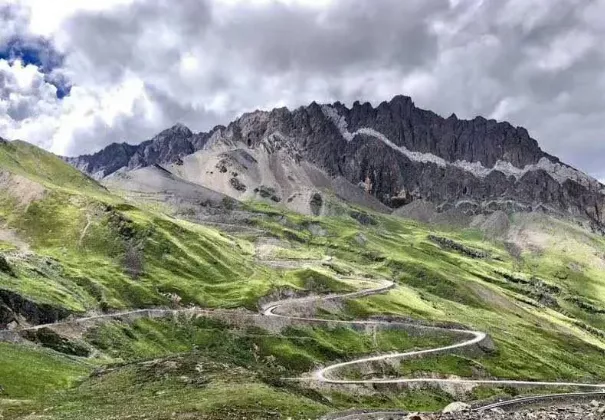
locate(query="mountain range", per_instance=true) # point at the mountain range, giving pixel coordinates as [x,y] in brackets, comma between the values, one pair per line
[395,154]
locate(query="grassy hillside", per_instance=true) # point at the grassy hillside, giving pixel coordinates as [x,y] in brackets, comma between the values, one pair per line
[67,243]
[24,159]
[73,244]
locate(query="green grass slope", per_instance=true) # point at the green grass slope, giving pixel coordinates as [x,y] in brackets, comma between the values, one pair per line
[67,242]
[37,164]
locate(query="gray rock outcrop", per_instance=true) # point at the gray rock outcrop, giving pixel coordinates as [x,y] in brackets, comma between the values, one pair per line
[14,307]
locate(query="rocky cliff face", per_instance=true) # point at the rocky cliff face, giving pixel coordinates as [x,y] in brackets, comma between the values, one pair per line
[396,152]
[169,146]
[14,308]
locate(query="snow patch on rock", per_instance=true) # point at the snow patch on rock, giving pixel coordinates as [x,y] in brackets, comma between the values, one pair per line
[557,171]
[339,121]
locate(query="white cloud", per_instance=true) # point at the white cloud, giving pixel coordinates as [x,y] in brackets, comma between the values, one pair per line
[46,17]
[564,51]
[25,100]
[30,108]
[508,106]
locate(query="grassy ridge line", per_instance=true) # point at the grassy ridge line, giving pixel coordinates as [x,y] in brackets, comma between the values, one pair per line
[22,158]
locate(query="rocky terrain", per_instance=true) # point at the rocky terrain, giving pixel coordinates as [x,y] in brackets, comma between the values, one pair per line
[168,146]
[394,152]
[592,411]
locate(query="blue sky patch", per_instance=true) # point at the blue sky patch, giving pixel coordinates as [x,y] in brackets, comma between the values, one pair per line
[40,53]
[60,82]
[36,51]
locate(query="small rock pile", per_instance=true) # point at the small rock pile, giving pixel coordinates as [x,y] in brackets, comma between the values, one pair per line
[591,411]
[453,245]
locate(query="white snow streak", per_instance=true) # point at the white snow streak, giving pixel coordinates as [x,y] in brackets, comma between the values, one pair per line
[557,171]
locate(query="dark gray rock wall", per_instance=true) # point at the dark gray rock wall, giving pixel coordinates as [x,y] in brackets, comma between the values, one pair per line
[13,306]
[476,140]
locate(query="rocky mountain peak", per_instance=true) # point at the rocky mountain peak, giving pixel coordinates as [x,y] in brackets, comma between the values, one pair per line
[398,152]
[404,103]
[175,136]
[168,146]
[178,129]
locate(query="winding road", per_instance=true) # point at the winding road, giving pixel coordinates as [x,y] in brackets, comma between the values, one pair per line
[329,374]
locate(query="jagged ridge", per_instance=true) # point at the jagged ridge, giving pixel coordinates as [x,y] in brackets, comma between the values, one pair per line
[167,147]
[474,165]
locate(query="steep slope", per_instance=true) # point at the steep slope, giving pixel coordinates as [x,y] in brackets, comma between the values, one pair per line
[397,153]
[272,174]
[155,184]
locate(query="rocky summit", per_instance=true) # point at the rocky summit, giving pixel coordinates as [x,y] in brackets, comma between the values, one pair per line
[168,146]
[396,152]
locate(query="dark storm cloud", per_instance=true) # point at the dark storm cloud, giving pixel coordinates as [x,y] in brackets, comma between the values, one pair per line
[151,37]
[348,33]
[141,37]
[273,37]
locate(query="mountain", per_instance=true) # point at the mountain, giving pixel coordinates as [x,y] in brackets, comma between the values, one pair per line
[168,146]
[395,152]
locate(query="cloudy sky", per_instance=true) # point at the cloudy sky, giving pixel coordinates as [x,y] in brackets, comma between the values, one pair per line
[76,75]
